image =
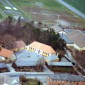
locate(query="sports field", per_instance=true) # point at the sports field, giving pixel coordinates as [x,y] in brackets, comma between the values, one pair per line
[78,4]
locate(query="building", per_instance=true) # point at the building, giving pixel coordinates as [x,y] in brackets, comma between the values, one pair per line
[63,63]
[44,50]
[3,68]
[26,58]
[17,46]
[78,38]
[57,29]
[65,79]
[7,80]
[67,40]
[6,55]
[75,39]
[40,48]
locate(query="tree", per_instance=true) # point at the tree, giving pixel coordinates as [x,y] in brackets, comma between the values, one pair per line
[19,21]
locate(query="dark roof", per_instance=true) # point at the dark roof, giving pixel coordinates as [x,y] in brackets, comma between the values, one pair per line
[67,77]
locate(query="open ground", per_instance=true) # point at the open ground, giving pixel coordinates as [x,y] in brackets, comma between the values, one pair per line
[47,11]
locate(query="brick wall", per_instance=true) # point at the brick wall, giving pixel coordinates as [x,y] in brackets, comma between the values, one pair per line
[61,82]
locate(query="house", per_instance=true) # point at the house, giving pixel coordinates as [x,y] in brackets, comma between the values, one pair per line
[6,55]
[65,79]
[40,48]
[17,46]
[44,50]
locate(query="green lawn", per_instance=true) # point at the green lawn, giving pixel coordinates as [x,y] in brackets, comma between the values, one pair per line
[51,4]
[2,6]
[1,16]
[79,4]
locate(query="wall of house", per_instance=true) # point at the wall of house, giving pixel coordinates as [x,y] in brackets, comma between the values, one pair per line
[60,82]
[75,46]
[78,48]
[38,51]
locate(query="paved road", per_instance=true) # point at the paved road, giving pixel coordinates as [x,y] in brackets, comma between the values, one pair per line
[72,8]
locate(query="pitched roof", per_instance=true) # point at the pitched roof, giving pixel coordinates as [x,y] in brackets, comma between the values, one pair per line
[26,58]
[5,53]
[67,77]
[18,44]
[77,37]
[43,47]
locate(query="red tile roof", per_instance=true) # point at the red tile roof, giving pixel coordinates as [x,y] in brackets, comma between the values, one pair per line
[5,53]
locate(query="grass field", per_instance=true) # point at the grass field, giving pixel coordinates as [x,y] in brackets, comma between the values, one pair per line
[2,6]
[78,4]
[1,16]
[46,11]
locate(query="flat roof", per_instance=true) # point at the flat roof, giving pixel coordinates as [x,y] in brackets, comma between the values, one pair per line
[67,77]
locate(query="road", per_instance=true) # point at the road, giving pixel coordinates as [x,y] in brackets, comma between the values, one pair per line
[72,8]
